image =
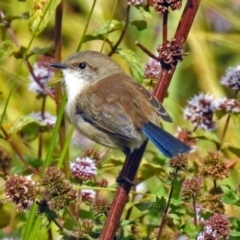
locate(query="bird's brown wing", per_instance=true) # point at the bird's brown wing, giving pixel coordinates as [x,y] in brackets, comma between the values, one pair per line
[156,105]
[106,112]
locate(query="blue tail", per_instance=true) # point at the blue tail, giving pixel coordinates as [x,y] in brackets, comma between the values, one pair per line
[165,142]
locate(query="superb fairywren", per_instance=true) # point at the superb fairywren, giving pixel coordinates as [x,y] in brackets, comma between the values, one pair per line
[109,107]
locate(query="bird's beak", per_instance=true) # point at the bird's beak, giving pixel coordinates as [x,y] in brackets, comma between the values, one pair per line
[58,65]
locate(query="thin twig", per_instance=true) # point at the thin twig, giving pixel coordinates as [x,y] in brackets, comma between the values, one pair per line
[144,49]
[225,130]
[164,217]
[194,210]
[122,34]
[215,186]
[226,125]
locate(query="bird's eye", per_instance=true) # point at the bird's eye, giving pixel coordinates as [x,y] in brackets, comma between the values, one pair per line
[82,65]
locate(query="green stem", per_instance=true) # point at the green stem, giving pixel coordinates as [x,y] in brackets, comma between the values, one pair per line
[65,148]
[164,217]
[226,124]
[105,37]
[54,135]
[40,134]
[86,26]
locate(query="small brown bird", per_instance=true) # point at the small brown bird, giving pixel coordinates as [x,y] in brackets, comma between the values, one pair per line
[109,107]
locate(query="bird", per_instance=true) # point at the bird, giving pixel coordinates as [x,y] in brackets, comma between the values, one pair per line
[109,107]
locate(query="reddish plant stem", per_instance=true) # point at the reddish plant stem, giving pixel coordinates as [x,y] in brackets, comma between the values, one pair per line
[132,161]
[58,92]
[129,170]
[165,29]
[180,36]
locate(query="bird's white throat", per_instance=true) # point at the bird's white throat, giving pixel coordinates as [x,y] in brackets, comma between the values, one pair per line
[74,84]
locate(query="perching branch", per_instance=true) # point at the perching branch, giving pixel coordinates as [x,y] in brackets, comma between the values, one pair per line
[132,161]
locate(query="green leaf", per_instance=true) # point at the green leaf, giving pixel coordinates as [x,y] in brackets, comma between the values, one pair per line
[220,114]
[230,147]
[89,37]
[235,222]
[149,170]
[143,206]
[40,14]
[20,53]
[190,229]
[125,223]
[25,15]
[109,27]
[145,11]
[100,34]
[41,51]
[134,63]
[230,196]
[160,203]
[231,201]
[29,127]
[234,233]
[35,162]
[210,136]
[129,237]
[22,122]
[6,49]
[139,24]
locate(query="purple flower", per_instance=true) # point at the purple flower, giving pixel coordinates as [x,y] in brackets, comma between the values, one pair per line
[232,78]
[216,227]
[83,168]
[43,73]
[200,110]
[137,2]
[46,119]
[228,105]
[152,69]
[88,195]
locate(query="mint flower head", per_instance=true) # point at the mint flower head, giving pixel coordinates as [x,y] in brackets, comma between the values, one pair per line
[83,168]
[199,111]
[43,73]
[231,78]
